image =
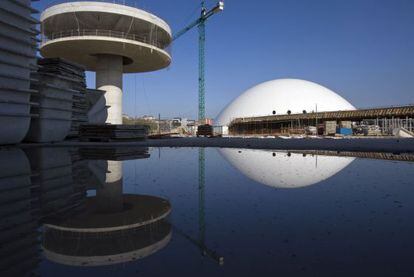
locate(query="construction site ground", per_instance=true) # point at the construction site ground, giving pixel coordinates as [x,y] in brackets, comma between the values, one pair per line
[362,144]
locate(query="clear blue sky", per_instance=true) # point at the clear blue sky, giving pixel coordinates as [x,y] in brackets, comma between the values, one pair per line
[361,49]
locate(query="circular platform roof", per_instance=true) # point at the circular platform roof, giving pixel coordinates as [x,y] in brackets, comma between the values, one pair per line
[97,249]
[80,31]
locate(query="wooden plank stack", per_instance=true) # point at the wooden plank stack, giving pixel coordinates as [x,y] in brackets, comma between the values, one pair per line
[112,132]
[64,68]
[79,113]
[114,154]
[76,73]
[58,83]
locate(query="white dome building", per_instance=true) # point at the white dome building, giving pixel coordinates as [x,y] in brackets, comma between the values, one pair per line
[283,170]
[279,97]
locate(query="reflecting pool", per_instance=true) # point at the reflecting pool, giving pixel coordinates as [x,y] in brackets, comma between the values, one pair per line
[205,212]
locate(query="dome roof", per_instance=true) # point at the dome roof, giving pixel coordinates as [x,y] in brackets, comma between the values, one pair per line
[281,170]
[281,96]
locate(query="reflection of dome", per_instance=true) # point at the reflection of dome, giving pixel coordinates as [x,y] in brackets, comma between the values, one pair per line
[279,170]
[281,96]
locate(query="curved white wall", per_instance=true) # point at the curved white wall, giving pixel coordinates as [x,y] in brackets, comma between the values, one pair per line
[280,96]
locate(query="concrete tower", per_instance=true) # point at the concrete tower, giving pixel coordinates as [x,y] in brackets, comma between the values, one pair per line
[110,39]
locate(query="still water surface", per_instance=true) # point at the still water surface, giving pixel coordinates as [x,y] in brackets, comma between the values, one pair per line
[204,212]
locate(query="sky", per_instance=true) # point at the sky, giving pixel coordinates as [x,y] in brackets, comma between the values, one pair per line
[361,49]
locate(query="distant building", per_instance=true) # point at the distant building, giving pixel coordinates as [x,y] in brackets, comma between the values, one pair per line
[191,122]
[179,122]
[164,126]
[127,116]
[148,117]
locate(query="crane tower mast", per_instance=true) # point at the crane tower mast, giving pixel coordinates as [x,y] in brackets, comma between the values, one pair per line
[201,24]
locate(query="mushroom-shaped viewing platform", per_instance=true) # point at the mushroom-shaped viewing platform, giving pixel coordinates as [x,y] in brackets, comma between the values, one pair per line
[110,39]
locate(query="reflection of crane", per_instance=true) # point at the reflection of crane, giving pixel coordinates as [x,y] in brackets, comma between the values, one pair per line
[200,243]
[201,198]
[201,209]
[200,22]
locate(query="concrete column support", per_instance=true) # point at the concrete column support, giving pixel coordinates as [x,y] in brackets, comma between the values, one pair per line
[109,78]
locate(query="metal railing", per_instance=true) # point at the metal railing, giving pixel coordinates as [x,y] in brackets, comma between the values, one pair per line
[105,33]
[128,3]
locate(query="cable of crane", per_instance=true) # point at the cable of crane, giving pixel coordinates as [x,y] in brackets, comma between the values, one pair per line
[190,16]
[146,96]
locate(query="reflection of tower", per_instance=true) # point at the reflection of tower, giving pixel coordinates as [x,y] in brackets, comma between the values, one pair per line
[19,252]
[109,195]
[113,227]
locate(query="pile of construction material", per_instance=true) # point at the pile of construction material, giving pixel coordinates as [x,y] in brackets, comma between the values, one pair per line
[75,76]
[79,112]
[344,128]
[401,132]
[59,84]
[311,130]
[112,132]
[17,57]
[330,128]
[371,130]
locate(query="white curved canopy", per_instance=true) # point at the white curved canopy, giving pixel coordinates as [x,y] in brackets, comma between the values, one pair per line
[284,171]
[279,97]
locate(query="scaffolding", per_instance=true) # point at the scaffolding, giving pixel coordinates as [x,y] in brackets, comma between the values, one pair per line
[385,119]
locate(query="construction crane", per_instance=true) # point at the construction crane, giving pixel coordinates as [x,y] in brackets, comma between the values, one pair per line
[200,23]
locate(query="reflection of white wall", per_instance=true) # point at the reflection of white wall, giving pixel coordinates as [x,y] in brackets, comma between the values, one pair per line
[114,172]
[104,172]
[282,171]
[106,178]
[98,170]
